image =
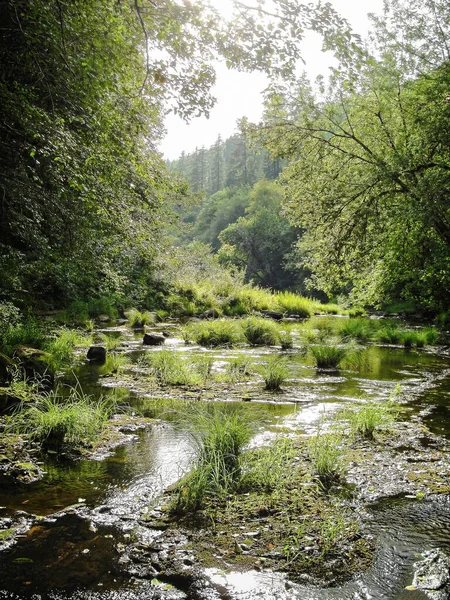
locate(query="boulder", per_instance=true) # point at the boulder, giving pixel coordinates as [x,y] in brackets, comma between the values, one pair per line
[96,354]
[210,314]
[273,314]
[153,339]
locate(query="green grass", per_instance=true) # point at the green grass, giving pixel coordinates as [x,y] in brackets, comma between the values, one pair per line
[221,332]
[239,368]
[29,333]
[371,417]
[268,468]
[138,319]
[55,420]
[358,329]
[286,340]
[328,357]
[219,434]
[170,369]
[326,456]
[261,332]
[114,362]
[274,373]
[60,348]
[292,304]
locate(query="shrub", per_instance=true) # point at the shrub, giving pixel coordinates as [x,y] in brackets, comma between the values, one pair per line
[274,373]
[220,332]
[261,332]
[326,456]
[355,312]
[219,433]
[328,357]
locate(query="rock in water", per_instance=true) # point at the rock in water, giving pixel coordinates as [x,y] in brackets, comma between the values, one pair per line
[97,354]
[432,574]
[153,339]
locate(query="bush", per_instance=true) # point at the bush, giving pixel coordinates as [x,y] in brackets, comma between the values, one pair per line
[274,373]
[261,332]
[219,433]
[28,333]
[328,357]
[60,348]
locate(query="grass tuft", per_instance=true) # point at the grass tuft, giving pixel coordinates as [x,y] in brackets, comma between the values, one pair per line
[274,373]
[328,357]
[261,332]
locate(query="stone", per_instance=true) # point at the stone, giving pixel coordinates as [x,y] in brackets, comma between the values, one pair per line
[273,314]
[153,339]
[96,354]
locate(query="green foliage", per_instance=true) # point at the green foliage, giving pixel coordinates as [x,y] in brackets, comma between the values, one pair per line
[293,304]
[371,417]
[60,348]
[270,468]
[260,332]
[27,333]
[326,456]
[56,419]
[357,329]
[219,433]
[328,357]
[274,372]
[286,340]
[239,368]
[138,320]
[220,332]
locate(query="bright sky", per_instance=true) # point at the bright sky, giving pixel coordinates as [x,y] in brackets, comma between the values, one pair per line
[239,94]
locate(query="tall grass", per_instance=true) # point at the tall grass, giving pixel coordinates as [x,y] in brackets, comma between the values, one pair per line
[138,319]
[328,357]
[274,373]
[57,419]
[268,468]
[326,456]
[219,434]
[371,417]
[60,348]
[170,369]
[220,332]
[28,333]
[293,304]
[261,332]
[239,368]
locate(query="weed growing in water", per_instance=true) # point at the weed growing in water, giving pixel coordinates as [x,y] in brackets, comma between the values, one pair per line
[286,340]
[60,349]
[328,357]
[371,417]
[219,434]
[274,373]
[326,456]
[114,362]
[268,468]
[261,332]
[56,419]
[170,369]
[239,368]
[138,320]
[293,304]
[220,332]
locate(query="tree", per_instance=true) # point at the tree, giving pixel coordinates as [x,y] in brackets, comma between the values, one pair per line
[369,170]
[259,242]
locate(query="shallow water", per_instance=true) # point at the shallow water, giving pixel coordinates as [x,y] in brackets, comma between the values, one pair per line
[76,555]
